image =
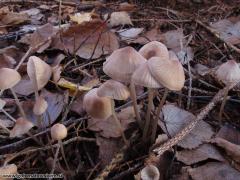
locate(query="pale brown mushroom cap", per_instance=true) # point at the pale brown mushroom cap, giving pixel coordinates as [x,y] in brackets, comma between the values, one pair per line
[97,107]
[8,78]
[150,172]
[143,77]
[8,169]
[228,72]
[22,126]
[169,74]
[40,106]
[114,90]
[154,48]
[58,131]
[121,64]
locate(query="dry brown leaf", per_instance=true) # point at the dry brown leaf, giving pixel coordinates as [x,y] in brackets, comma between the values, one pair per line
[231,149]
[176,119]
[6,61]
[119,18]
[203,152]
[230,134]
[152,35]
[22,126]
[108,128]
[88,40]
[13,52]
[81,17]
[214,170]
[108,147]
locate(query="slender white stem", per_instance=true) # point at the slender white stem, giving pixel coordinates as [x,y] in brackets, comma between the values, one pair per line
[63,154]
[18,103]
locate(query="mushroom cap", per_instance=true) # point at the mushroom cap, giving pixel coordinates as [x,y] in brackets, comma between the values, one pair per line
[40,106]
[8,169]
[38,71]
[228,72]
[169,74]
[121,64]
[150,172]
[97,107]
[8,78]
[154,48]
[58,131]
[114,90]
[143,77]
[22,126]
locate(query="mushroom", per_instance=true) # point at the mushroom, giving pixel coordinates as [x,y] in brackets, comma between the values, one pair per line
[9,169]
[120,66]
[97,107]
[21,127]
[228,73]
[58,133]
[169,74]
[143,77]
[153,49]
[150,172]
[114,90]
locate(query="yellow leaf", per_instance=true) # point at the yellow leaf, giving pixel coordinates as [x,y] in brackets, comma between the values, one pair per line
[80,18]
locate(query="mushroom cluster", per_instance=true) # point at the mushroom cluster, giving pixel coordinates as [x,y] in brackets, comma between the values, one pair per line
[153,67]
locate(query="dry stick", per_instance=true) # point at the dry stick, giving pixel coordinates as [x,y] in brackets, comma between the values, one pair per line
[18,103]
[216,33]
[63,154]
[148,115]
[55,159]
[134,100]
[179,136]
[155,120]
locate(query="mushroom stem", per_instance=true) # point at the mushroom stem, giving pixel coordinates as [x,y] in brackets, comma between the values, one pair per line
[118,123]
[155,120]
[55,159]
[134,99]
[18,103]
[148,115]
[63,153]
[223,104]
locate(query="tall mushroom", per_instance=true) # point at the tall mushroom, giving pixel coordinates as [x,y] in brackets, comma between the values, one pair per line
[114,90]
[169,74]
[228,73]
[120,66]
[154,49]
[143,77]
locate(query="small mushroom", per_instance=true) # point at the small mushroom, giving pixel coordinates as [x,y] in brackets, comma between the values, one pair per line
[169,74]
[22,126]
[228,73]
[143,77]
[114,90]
[120,66]
[9,169]
[154,49]
[97,107]
[40,106]
[150,172]
[58,133]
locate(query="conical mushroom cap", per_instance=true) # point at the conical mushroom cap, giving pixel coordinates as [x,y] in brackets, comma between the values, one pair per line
[58,131]
[153,49]
[143,77]
[170,74]
[8,78]
[150,172]
[8,169]
[228,72]
[114,90]
[21,127]
[121,64]
[97,107]
[38,71]
[40,106]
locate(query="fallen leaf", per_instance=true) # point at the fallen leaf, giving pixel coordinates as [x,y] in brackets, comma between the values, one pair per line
[176,119]
[24,87]
[152,35]
[201,69]
[131,33]
[22,126]
[203,152]
[230,134]
[71,86]
[6,61]
[81,17]
[87,40]
[108,147]
[6,123]
[119,18]
[108,127]
[214,170]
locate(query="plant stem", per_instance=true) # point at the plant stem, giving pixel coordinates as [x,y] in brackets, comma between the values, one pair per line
[155,120]
[63,154]
[55,159]
[223,104]
[148,115]
[118,123]
[134,99]
[18,103]
[8,115]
